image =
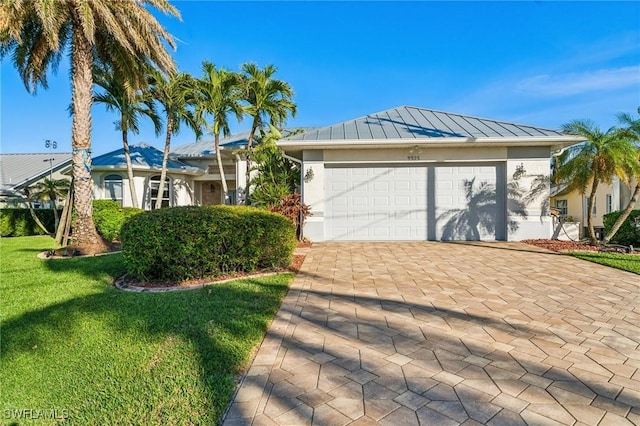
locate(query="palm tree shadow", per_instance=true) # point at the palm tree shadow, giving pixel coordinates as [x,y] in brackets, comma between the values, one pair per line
[197,318]
[480,218]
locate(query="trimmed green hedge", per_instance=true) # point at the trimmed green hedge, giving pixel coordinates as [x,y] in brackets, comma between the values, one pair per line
[181,243]
[19,223]
[109,217]
[628,234]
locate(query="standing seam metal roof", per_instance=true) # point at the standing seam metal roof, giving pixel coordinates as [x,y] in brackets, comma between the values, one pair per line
[407,122]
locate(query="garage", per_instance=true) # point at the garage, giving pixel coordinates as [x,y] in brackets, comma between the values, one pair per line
[416,174]
[409,203]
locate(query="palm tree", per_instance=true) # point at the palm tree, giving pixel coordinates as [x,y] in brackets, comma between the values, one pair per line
[268,100]
[130,104]
[219,96]
[123,34]
[598,159]
[632,130]
[176,93]
[50,191]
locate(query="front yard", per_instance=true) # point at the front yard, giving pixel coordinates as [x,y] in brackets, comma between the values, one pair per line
[74,347]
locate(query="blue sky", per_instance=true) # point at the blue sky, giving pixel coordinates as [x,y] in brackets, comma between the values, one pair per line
[539,63]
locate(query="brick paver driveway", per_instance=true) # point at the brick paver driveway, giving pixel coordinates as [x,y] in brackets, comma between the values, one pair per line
[446,334]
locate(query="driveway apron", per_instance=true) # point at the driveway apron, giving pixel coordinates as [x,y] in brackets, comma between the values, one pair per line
[428,333]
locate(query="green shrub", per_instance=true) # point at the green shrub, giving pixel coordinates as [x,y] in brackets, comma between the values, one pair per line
[181,243]
[628,234]
[19,223]
[109,217]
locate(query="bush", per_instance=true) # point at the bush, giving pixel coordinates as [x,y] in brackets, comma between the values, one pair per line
[181,243]
[19,223]
[109,217]
[291,206]
[628,234]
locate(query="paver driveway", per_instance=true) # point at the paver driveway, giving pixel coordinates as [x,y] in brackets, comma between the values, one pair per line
[448,333]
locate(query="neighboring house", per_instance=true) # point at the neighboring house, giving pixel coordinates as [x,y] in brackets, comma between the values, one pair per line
[416,174]
[19,171]
[572,205]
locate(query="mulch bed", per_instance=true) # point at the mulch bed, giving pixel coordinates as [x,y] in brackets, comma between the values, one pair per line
[295,266]
[566,246]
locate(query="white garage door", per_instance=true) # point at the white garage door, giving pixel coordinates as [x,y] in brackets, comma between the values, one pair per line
[379,203]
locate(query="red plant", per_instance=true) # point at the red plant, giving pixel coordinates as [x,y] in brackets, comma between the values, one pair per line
[291,206]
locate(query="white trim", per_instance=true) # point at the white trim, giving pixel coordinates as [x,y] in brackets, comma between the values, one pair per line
[435,142]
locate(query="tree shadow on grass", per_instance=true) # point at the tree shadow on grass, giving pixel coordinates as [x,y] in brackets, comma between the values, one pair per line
[219,323]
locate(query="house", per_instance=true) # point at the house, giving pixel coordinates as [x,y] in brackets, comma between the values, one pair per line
[412,173]
[193,176]
[20,171]
[571,205]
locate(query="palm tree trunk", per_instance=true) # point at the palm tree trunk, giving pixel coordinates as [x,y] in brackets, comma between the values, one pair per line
[624,215]
[216,139]
[85,237]
[165,158]
[592,233]
[254,127]
[35,217]
[127,157]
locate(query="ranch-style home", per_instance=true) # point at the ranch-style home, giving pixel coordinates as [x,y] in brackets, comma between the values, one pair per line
[417,174]
[407,173]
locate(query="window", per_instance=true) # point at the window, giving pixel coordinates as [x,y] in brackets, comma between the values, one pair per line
[562,205]
[154,184]
[113,188]
[609,203]
[586,206]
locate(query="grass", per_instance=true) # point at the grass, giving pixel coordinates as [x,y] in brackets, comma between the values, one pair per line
[626,262]
[75,347]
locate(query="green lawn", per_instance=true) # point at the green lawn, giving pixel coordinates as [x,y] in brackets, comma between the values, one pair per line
[96,355]
[622,261]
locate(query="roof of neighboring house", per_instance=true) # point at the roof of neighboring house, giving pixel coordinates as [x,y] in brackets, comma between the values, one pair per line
[20,170]
[412,124]
[143,157]
[206,148]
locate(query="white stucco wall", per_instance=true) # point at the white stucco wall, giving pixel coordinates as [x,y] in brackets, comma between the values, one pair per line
[520,166]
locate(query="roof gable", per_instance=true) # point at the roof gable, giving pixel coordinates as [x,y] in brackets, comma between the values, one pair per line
[413,123]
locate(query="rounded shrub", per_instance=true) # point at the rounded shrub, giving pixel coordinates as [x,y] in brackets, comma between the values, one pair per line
[628,234]
[109,217]
[181,243]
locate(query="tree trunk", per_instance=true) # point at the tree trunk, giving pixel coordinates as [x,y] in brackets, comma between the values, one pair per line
[85,237]
[35,218]
[127,157]
[56,218]
[624,215]
[254,127]
[216,139]
[165,158]
[592,233]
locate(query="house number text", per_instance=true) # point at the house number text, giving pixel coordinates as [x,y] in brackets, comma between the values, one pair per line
[413,157]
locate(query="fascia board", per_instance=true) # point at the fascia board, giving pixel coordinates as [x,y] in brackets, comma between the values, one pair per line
[450,142]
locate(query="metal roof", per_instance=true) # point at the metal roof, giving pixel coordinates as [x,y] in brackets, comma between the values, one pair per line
[143,157]
[206,148]
[20,170]
[409,123]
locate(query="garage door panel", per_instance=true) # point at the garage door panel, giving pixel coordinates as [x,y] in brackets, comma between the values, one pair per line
[462,214]
[392,203]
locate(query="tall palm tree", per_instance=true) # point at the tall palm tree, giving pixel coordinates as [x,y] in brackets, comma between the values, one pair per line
[176,93]
[219,95]
[50,191]
[268,101]
[632,130]
[597,160]
[131,104]
[37,34]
